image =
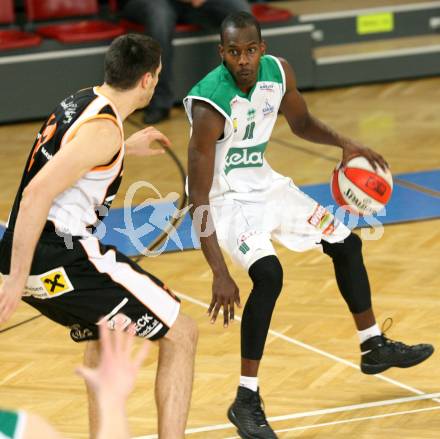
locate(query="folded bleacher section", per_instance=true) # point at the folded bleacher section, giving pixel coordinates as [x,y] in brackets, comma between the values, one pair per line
[50,48]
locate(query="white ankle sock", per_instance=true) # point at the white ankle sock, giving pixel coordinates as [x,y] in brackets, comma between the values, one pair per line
[372,331]
[250,383]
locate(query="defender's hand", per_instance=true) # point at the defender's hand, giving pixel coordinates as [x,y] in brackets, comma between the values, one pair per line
[116,372]
[225,294]
[140,142]
[352,149]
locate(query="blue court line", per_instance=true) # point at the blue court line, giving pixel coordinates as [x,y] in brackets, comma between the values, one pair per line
[406,204]
[148,223]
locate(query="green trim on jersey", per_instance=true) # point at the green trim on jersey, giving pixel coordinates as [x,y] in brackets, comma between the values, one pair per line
[219,85]
[8,424]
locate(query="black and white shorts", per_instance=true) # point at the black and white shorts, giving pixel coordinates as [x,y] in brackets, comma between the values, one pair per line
[78,287]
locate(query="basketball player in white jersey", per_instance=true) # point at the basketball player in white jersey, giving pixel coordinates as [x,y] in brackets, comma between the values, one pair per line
[49,256]
[112,381]
[232,113]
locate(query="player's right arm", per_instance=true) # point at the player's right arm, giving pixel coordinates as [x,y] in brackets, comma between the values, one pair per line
[207,127]
[95,143]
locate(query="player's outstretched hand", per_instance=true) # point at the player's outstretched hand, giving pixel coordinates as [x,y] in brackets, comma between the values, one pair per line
[140,142]
[225,294]
[352,149]
[116,373]
[10,295]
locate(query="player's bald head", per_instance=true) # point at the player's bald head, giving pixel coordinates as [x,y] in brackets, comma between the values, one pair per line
[238,21]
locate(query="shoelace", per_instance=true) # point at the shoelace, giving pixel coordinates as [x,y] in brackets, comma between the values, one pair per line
[257,404]
[390,320]
[395,344]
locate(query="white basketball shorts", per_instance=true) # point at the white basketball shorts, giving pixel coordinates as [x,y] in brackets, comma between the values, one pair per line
[246,229]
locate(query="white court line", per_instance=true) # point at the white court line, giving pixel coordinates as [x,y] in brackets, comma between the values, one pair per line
[321,412]
[347,421]
[318,351]
[423,396]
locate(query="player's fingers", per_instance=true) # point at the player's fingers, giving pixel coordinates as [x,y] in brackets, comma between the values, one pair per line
[215,312]
[118,341]
[231,311]
[162,139]
[104,337]
[86,373]
[382,162]
[128,339]
[372,160]
[237,298]
[211,306]
[225,314]
[156,151]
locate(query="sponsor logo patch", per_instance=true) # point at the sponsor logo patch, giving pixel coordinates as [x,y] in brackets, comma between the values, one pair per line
[267,86]
[323,220]
[119,321]
[251,114]
[268,108]
[70,107]
[235,124]
[47,285]
[251,157]
[79,333]
[244,248]
[377,186]
[145,325]
[56,282]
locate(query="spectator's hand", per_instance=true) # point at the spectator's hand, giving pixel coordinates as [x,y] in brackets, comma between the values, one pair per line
[140,142]
[116,373]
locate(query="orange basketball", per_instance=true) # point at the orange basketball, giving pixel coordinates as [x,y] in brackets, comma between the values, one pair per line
[360,188]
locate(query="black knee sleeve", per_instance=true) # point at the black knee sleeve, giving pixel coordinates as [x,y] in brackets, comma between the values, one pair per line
[350,271]
[267,277]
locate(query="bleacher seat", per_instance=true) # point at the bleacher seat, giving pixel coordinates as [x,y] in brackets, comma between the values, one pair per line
[14,38]
[78,31]
[131,26]
[270,14]
[263,13]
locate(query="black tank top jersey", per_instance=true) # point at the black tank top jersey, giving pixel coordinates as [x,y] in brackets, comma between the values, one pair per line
[77,210]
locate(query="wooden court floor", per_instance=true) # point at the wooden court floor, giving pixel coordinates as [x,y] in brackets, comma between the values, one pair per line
[309,377]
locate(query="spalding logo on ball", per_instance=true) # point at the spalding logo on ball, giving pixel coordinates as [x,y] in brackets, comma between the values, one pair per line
[360,188]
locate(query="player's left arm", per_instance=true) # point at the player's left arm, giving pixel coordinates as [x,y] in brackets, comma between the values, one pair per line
[308,127]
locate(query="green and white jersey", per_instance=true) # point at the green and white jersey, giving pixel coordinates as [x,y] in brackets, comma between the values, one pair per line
[241,170]
[12,424]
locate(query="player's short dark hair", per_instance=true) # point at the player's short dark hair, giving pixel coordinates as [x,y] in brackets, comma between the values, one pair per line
[128,58]
[241,20]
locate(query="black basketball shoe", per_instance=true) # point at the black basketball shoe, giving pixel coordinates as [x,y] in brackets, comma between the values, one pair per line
[379,353]
[247,414]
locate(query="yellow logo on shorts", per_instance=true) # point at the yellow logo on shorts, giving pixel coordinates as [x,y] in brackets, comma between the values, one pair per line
[56,282]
